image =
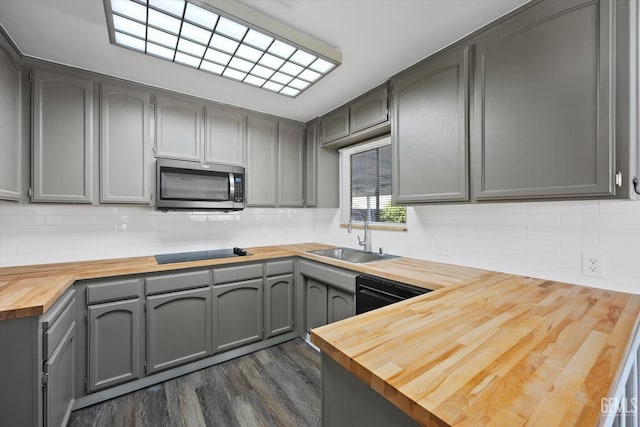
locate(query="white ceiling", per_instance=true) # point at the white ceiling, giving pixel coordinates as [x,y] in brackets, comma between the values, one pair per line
[377,38]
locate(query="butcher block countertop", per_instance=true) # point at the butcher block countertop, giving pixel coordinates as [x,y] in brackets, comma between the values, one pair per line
[501,350]
[32,289]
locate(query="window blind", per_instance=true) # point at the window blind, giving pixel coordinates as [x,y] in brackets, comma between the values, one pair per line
[370,186]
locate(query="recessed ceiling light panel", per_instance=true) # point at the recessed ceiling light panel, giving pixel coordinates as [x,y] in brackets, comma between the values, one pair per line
[195,34]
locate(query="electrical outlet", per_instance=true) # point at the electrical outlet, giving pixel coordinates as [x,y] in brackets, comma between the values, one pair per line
[592,264]
[443,248]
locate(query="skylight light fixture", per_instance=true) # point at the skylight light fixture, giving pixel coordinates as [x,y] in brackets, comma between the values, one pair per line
[265,54]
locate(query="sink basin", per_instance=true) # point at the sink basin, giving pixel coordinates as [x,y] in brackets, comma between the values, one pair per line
[352,255]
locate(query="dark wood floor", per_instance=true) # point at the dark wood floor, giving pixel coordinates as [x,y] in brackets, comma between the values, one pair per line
[278,386]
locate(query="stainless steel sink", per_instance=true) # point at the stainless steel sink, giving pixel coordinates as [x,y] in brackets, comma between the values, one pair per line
[352,255]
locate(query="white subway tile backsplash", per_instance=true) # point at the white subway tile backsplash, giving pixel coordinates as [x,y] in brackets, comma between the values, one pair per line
[536,220]
[538,239]
[501,231]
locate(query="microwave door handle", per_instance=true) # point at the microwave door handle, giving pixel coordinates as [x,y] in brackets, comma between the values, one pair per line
[232,187]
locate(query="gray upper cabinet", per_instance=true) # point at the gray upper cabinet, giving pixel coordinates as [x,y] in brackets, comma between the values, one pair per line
[225,135]
[279,305]
[362,118]
[334,125]
[369,110]
[321,171]
[429,131]
[290,165]
[238,314]
[261,173]
[311,164]
[10,125]
[63,127]
[125,145]
[543,103]
[179,128]
[178,328]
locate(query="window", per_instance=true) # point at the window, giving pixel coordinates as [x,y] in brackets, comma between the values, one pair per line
[366,184]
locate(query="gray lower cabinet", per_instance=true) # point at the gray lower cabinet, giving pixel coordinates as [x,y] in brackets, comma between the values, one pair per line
[238,314]
[10,124]
[58,369]
[178,328]
[429,130]
[316,303]
[290,165]
[63,127]
[341,304]
[334,125]
[279,306]
[329,293]
[115,334]
[544,103]
[261,172]
[326,304]
[178,128]
[125,145]
[225,135]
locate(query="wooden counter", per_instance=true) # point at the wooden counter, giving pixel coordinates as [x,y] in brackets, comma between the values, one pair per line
[500,350]
[30,290]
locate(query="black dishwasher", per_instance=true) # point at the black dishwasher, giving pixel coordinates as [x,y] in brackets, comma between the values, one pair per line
[374,292]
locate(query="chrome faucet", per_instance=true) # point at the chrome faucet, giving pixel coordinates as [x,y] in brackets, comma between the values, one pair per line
[366,242]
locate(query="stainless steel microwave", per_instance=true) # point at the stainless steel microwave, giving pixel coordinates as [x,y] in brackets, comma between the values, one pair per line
[190,185]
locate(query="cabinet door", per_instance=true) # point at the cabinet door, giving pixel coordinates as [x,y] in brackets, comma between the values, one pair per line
[429,132]
[334,125]
[238,316]
[225,136]
[543,103]
[62,138]
[311,163]
[114,336]
[341,305]
[124,145]
[178,128]
[370,110]
[10,118]
[279,305]
[262,146]
[59,371]
[178,328]
[316,303]
[291,165]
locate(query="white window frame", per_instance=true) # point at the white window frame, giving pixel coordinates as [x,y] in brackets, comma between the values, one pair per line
[345,180]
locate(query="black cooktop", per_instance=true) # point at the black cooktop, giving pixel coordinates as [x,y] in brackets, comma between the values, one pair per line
[200,255]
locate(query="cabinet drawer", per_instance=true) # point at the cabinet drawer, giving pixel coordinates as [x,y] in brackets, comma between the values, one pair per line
[279,267]
[236,274]
[114,291]
[176,282]
[57,329]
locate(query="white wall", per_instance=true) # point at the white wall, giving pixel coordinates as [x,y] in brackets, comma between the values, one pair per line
[39,233]
[539,239]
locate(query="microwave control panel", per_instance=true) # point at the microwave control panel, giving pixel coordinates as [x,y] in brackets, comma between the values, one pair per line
[238,184]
